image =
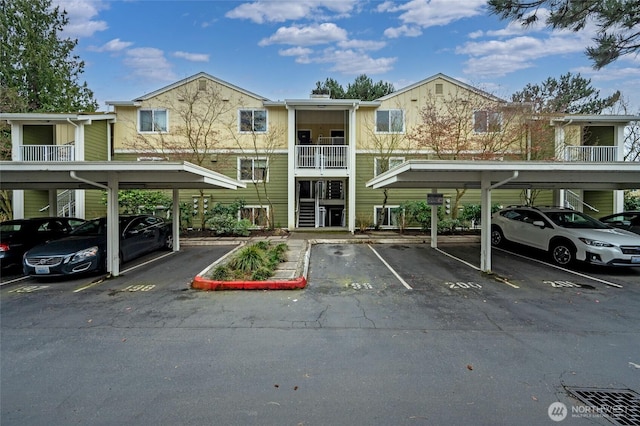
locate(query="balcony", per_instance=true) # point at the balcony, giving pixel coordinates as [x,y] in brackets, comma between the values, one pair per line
[47,153]
[322,157]
[595,154]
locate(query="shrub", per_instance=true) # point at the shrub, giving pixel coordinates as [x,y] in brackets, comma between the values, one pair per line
[262,274]
[221,273]
[248,259]
[364,221]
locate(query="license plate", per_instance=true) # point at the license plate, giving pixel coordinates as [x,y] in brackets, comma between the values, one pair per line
[45,269]
[635,259]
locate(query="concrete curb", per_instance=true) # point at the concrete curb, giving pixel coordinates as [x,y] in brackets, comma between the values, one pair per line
[200,282]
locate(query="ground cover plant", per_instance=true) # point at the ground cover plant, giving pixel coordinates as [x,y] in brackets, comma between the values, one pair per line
[255,262]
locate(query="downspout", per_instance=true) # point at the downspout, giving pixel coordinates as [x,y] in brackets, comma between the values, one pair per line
[507,180]
[73,175]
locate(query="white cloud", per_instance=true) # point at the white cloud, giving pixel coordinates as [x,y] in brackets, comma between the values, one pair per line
[403,31]
[81,14]
[416,14]
[114,45]
[193,57]
[306,36]
[149,63]
[280,11]
[354,62]
[362,44]
[296,51]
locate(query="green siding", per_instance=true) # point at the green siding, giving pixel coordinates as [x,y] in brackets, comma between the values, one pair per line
[34,201]
[599,135]
[94,204]
[601,200]
[38,135]
[95,141]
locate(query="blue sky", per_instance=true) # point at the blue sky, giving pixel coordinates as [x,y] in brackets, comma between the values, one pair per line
[279,49]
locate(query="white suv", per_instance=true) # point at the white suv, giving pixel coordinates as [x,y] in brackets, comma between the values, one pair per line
[567,235]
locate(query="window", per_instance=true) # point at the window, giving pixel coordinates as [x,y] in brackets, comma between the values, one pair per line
[253,120]
[439,89]
[390,121]
[152,120]
[382,166]
[487,122]
[258,216]
[387,217]
[252,169]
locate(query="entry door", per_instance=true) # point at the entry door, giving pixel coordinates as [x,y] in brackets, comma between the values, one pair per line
[304,137]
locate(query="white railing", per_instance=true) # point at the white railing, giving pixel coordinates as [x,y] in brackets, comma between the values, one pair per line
[596,154]
[322,157]
[48,152]
[572,200]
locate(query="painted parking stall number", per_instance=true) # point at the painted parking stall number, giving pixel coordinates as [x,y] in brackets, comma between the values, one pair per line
[562,284]
[361,286]
[463,285]
[140,287]
[29,288]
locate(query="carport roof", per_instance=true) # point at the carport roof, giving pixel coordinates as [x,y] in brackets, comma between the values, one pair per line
[510,175]
[129,175]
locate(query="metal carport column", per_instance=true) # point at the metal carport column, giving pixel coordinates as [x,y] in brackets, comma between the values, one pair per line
[485,216]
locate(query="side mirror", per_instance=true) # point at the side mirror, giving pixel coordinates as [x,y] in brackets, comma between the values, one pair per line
[538,223]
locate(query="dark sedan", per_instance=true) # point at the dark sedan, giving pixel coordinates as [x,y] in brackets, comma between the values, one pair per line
[19,235]
[85,249]
[629,220]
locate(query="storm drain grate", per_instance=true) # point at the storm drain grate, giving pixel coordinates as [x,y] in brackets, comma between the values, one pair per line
[619,406]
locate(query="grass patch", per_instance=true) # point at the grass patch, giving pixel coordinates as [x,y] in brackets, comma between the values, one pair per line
[256,262]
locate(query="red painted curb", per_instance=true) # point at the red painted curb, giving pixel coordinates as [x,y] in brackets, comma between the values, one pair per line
[201,283]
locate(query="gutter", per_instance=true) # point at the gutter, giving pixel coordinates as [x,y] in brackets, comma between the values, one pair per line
[73,175]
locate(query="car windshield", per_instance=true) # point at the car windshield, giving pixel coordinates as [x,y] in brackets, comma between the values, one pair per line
[571,219]
[92,227]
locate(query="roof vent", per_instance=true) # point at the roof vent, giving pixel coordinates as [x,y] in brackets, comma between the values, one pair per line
[321,93]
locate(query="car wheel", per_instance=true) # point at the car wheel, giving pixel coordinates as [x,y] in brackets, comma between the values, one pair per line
[168,242]
[497,237]
[563,253]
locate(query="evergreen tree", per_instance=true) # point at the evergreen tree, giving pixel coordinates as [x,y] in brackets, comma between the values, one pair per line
[362,88]
[37,63]
[618,22]
[571,94]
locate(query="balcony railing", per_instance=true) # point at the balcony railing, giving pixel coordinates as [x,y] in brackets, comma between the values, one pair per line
[331,140]
[597,154]
[48,152]
[322,157]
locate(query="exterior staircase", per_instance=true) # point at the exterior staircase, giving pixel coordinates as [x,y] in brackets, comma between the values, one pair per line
[307,215]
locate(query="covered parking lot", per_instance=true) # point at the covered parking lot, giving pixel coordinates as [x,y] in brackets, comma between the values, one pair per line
[491,175]
[112,176]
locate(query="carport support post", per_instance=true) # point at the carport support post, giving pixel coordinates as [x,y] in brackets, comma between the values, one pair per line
[113,226]
[176,219]
[485,219]
[434,222]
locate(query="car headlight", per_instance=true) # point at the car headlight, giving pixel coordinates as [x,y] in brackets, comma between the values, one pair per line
[595,243]
[83,254]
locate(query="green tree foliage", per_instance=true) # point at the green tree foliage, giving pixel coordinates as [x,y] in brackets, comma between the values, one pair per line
[36,63]
[571,94]
[362,88]
[618,22]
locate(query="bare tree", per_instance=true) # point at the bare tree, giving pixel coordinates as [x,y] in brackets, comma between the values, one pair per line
[258,147]
[468,126]
[389,141]
[198,131]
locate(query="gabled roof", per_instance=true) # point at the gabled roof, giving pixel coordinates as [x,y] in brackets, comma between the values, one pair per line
[446,78]
[190,79]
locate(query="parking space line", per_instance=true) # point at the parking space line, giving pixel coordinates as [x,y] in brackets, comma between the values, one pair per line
[589,277]
[124,271]
[501,279]
[15,280]
[404,283]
